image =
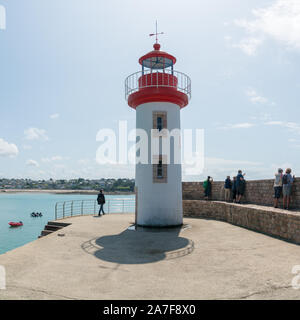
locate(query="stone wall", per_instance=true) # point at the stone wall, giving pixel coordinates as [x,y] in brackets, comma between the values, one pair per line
[274,222]
[257,192]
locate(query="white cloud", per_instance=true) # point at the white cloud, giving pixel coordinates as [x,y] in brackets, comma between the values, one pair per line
[32,163]
[219,168]
[60,166]
[51,159]
[35,134]
[27,147]
[291,126]
[228,163]
[83,161]
[244,125]
[274,123]
[255,97]
[279,21]
[8,149]
[54,116]
[249,45]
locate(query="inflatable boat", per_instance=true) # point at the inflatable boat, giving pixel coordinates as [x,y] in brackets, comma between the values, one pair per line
[16,224]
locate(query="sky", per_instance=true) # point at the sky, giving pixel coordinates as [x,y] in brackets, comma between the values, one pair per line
[64,62]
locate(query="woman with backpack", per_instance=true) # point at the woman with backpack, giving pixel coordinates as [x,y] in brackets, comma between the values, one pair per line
[287,182]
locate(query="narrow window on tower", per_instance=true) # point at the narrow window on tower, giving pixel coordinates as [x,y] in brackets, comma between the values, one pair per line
[160,167]
[160,170]
[159,121]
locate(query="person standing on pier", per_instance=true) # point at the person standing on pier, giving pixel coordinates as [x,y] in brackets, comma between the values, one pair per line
[233,189]
[278,186]
[207,187]
[227,187]
[287,181]
[240,185]
[101,202]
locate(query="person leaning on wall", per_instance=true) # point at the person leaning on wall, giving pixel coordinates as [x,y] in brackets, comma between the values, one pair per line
[233,189]
[287,182]
[207,184]
[240,185]
[227,187]
[277,186]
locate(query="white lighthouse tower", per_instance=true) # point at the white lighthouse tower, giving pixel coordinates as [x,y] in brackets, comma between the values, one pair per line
[158,93]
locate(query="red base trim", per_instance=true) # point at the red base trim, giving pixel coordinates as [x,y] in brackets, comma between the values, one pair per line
[161,94]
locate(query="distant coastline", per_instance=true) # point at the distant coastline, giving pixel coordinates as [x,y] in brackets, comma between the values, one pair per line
[59,191]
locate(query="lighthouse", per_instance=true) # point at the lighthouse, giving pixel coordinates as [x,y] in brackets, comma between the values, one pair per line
[158,93]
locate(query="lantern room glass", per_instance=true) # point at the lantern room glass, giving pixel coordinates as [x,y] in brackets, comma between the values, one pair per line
[157,63]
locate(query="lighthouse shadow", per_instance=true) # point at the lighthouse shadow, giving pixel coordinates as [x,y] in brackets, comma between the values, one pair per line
[139,247]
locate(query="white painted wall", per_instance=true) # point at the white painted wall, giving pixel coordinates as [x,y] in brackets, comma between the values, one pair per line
[159,204]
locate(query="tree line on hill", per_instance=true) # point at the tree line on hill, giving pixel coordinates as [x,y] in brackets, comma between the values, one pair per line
[108,185]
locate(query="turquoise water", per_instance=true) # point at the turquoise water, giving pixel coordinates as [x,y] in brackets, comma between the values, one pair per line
[18,207]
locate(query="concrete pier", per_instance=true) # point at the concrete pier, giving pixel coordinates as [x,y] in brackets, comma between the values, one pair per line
[99,258]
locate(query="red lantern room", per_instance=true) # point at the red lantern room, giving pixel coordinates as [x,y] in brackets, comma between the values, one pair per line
[158,81]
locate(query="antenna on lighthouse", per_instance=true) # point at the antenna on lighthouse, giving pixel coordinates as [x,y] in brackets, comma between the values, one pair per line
[156,33]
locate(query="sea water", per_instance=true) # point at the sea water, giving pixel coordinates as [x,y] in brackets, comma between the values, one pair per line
[19,206]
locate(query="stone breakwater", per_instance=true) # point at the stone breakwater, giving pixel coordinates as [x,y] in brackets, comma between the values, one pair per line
[270,221]
[258,192]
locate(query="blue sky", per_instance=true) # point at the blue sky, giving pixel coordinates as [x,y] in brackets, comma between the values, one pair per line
[63,65]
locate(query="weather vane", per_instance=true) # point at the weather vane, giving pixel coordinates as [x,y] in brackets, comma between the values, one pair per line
[156,33]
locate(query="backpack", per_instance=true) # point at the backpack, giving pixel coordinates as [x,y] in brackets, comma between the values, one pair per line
[101,199]
[285,179]
[205,184]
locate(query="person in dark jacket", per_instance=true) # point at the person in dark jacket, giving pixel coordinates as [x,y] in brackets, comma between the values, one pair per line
[240,185]
[227,187]
[101,202]
[207,187]
[233,188]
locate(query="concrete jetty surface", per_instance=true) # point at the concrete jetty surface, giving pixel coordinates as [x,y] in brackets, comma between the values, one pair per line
[99,258]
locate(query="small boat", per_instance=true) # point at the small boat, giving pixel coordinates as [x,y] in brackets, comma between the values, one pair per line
[16,224]
[37,214]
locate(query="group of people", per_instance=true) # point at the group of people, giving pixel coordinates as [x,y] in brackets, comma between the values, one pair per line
[235,189]
[283,185]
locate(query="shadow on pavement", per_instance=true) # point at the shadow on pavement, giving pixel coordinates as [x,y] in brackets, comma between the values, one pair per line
[139,247]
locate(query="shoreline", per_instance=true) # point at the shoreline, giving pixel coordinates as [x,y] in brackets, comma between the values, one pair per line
[59,191]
